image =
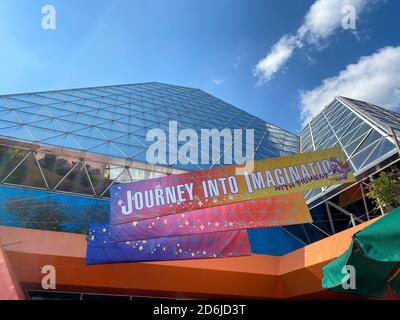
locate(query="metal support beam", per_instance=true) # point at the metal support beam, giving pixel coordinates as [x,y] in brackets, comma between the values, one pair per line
[392,134]
[364,201]
[330,217]
[347,213]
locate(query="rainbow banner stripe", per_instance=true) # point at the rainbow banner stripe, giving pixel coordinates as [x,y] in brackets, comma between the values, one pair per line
[259,213]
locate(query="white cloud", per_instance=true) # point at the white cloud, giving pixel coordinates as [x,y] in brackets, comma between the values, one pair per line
[322,20]
[218,82]
[325,16]
[278,56]
[374,78]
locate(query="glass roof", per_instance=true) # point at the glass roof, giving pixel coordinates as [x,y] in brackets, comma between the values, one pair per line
[359,128]
[113,120]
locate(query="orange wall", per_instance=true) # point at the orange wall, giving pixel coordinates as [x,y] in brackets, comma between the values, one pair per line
[256,276]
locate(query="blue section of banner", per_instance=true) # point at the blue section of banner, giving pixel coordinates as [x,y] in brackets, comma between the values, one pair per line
[101,250]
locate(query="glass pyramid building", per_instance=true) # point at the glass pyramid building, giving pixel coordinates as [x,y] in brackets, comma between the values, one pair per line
[360,129]
[61,151]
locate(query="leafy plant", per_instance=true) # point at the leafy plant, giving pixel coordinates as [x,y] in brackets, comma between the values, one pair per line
[385,190]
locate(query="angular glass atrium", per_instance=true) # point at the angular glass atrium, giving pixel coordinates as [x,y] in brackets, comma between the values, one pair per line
[360,129]
[61,151]
[84,140]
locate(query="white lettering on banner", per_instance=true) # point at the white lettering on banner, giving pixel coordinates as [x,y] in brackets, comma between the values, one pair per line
[280,179]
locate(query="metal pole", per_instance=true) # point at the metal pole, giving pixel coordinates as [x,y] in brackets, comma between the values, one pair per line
[347,213]
[392,133]
[352,220]
[330,218]
[365,201]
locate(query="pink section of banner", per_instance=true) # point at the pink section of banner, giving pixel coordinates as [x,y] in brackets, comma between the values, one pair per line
[260,213]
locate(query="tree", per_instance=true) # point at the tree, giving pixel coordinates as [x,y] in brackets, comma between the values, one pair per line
[385,190]
[94,214]
[37,214]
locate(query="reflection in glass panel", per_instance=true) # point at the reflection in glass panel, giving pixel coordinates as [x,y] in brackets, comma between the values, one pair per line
[28,174]
[9,158]
[139,174]
[120,175]
[54,167]
[77,181]
[100,175]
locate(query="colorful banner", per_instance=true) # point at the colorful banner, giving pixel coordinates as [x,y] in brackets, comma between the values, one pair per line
[215,187]
[259,213]
[100,250]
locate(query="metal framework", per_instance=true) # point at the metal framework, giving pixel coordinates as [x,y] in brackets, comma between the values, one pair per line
[83,141]
[367,134]
[362,130]
[113,120]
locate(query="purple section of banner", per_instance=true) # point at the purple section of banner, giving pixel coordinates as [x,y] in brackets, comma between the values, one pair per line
[260,213]
[100,250]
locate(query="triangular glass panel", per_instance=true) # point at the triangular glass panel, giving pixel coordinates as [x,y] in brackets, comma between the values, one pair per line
[121,111]
[355,134]
[50,124]
[77,181]
[57,112]
[74,107]
[372,138]
[142,157]
[44,100]
[41,134]
[6,124]
[100,175]
[71,126]
[28,117]
[87,143]
[9,115]
[39,110]
[111,134]
[16,103]
[90,132]
[131,140]
[54,167]
[105,114]
[353,145]
[347,127]
[129,150]
[383,148]
[79,94]
[17,132]
[9,159]
[28,174]
[79,118]
[359,158]
[111,125]
[107,149]
[120,175]
[63,141]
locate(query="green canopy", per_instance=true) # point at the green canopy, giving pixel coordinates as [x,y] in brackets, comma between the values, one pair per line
[375,255]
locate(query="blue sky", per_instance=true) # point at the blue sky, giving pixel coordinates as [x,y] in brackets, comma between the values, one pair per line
[212,45]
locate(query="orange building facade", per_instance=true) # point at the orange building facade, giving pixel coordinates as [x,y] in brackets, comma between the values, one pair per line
[297,275]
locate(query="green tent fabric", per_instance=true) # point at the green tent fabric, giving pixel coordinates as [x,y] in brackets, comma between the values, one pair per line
[375,255]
